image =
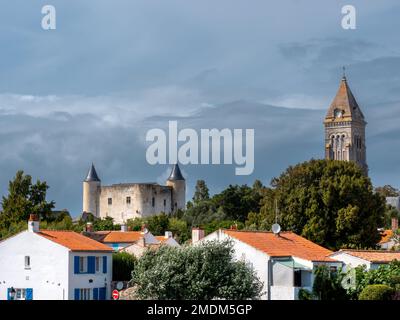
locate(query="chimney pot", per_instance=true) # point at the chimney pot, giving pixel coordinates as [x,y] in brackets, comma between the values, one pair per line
[197,235]
[395,223]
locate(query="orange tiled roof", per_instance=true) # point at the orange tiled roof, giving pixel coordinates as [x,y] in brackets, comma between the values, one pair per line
[161,238]
[386,236]
[284,245]
[377,256]
[73,241]
[121,236]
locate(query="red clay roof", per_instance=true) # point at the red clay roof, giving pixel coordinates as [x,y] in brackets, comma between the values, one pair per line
[386,236]
[376,256]
[73,241]
[161,238]
[284,245]
[123,236]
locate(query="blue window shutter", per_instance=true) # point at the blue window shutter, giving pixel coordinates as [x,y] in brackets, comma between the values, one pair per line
[8,293]
[76,294]
[29,294]
[104,264]
[91,264]
[76,264]
[102,293]
[95,293]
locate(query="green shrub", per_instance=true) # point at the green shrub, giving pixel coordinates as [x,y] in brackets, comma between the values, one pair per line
[123,265]
[377,292]
[304,294]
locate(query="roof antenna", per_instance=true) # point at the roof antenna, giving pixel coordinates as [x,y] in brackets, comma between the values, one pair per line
[276,228]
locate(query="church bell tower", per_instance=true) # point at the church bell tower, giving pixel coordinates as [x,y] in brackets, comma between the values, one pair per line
[345,129]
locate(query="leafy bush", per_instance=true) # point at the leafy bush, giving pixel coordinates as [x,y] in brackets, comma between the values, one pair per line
[304,294]
[123,265]
[377,292]
[203,272]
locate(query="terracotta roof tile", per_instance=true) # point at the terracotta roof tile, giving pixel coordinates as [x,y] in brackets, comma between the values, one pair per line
[284,245]
[161,238]
[386,236]
[377,256]
[123,236]
[73,241]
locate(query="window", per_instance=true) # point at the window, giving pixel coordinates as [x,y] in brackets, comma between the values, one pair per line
[20,294]
[109,201]
[97,264]
[82,264]
[153,201]
[84,294]
[27,262]
[297,278]
[128,200]
[333,269]
[165,202]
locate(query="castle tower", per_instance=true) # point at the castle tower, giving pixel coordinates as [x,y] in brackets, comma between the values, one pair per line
[91,192]
[178,184]
[345,129]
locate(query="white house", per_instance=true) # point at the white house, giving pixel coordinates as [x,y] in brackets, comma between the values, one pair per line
[54,265]
[130,241]
[284,262]
[372,259]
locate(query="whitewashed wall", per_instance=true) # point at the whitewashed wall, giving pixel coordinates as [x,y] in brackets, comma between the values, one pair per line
[48,275]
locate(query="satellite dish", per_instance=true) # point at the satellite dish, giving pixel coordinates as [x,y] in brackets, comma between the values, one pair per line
[276,228]
[120,285]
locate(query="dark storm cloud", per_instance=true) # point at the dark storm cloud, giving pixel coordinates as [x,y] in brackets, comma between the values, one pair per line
[90,90]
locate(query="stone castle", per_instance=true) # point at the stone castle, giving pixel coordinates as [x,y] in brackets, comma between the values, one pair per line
[345,129]
[130,200]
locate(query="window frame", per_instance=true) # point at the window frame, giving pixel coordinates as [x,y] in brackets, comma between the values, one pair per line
[27,261]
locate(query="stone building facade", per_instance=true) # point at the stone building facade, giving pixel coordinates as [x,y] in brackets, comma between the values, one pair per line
[130,200]
[345,129]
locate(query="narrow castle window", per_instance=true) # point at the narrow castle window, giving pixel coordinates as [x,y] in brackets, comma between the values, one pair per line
[153,202]
[109,201]
[128,200]
[165,202]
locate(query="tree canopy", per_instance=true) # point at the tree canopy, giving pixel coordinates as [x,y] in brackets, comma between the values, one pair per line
[24,198]
[328,202]
[207,271]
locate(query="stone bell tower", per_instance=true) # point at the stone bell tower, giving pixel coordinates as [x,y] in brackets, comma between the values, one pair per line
[91,192]
[345,129]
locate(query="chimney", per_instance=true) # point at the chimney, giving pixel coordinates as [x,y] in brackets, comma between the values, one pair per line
[168,234]
[89,227]
[142,241]
[395,223]
[124,228]
[33,223]
[197,235]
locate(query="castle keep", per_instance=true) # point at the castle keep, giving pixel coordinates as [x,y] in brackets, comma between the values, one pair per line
[345,129]
[130,200]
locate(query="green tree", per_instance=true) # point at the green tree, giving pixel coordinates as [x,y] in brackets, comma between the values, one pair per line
[123,265]
[106,223]
[204,272]
[201,192]
[24,198]
[377,292]
[327,284]
[329,202]
[237,201]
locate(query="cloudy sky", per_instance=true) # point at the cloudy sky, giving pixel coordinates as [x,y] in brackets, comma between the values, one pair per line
[90,90]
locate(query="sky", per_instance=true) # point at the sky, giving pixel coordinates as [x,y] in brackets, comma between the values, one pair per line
[89,90]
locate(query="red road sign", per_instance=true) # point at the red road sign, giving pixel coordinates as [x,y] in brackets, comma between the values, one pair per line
[115,294]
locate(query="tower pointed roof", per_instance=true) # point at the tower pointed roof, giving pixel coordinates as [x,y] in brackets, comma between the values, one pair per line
[344,106]
[92,174]
[176,173]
